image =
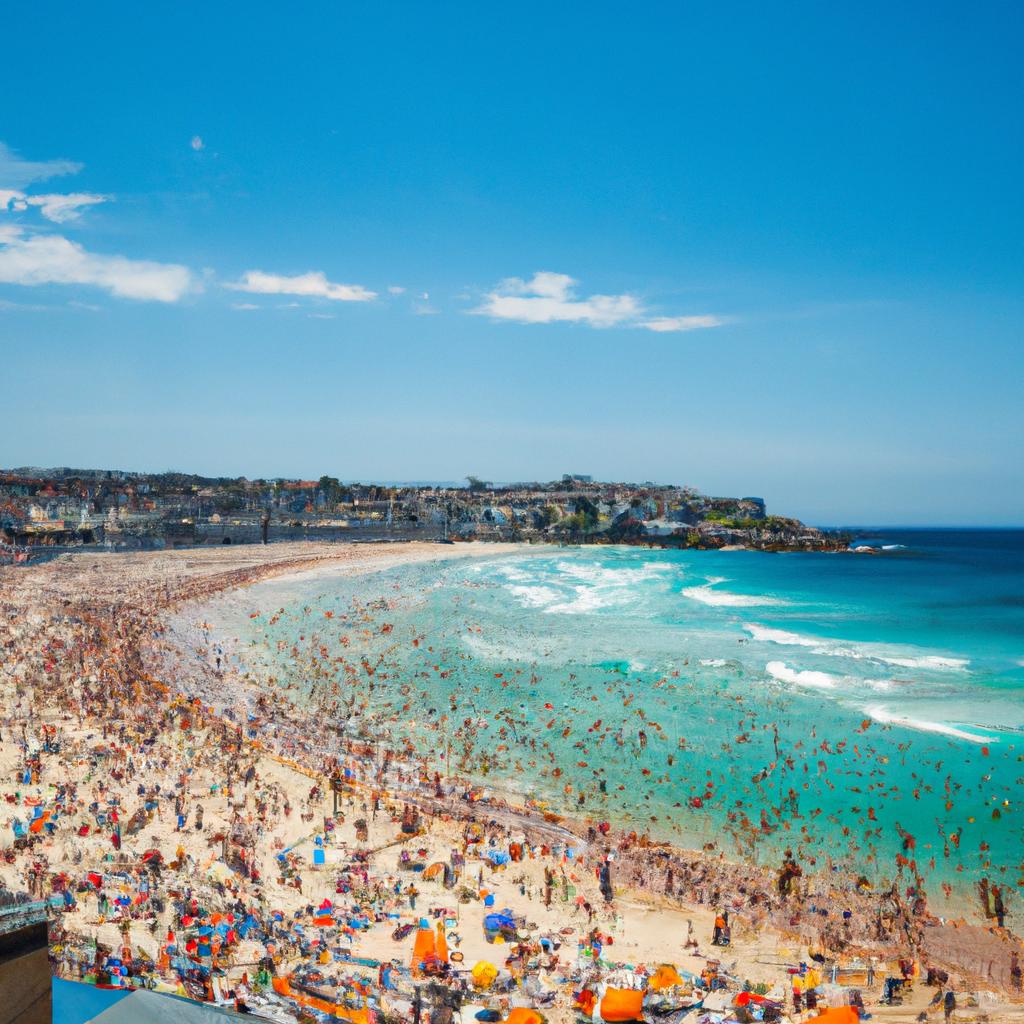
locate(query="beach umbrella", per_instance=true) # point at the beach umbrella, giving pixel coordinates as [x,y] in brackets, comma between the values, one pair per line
[484,974]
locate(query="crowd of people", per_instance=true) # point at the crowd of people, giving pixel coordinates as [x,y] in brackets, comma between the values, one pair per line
[194,835]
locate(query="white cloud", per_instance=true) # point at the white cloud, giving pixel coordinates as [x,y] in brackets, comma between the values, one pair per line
[17,173]
[244,305]
[197,143]
[32,259]
[53,206]
[313,284]
[681,323]
[395,289]
[548,298]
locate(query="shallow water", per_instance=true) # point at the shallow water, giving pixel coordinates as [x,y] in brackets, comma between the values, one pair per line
[757,701]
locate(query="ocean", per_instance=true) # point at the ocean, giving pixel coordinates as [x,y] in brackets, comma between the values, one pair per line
[857,708]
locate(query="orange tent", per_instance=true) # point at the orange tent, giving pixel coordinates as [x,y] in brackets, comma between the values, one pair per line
[37,825]
[622,1004]
[665,977]
[837,1015]
[523,1015]
[282,986]
[441,943]
[424,950]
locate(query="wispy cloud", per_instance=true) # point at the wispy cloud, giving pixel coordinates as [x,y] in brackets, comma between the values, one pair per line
[552,298]
[57,207]
[16,172]
[35,259]
[680,323]
[314,285]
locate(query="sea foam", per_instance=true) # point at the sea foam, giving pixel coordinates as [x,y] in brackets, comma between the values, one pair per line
[887,654]
[885,717]
[800,677]
[724,599]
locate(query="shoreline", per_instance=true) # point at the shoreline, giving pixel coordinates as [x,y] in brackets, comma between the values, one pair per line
[960,906]
[186,586]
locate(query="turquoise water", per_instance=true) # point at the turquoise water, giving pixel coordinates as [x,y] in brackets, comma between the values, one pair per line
[833,703]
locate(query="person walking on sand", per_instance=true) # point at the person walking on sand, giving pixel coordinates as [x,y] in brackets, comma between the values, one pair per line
[998,906]
[949,1005]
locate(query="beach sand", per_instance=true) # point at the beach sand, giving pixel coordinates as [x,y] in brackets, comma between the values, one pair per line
[112,652]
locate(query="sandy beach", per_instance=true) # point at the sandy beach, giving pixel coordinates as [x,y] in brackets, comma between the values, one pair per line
[200,833]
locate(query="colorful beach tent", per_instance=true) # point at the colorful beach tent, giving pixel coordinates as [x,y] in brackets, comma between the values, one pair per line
[524,1015]
[666,976]
[424,950]
[622,1004]
[441,943]
[837,1015]
[143,1007]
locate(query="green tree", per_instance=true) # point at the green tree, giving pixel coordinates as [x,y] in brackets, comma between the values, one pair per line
[587,512]
[331,487]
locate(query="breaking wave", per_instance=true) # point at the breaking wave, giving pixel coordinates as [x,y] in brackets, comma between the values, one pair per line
[883,716]
[800,677]
[889,655]
[706,594]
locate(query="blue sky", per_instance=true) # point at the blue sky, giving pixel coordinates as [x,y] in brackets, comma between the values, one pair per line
[758,249]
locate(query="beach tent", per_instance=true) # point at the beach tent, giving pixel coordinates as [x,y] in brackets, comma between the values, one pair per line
[666,976]
[436,869]
[143,1007]
[746,998]
[524,1015]
[837,1015]
[501,926]
[441,943]
[622,1004]
[424,950]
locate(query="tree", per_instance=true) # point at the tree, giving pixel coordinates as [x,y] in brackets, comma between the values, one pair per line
[474,483]
[331,488]
[587,512]
[549,514]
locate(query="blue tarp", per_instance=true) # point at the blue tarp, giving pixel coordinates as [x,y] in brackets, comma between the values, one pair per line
[76,1003]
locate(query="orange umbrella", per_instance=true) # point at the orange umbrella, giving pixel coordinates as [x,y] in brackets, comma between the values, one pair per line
[441,943]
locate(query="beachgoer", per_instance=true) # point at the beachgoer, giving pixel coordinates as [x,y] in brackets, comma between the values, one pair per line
[949,1004]
[998,906]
